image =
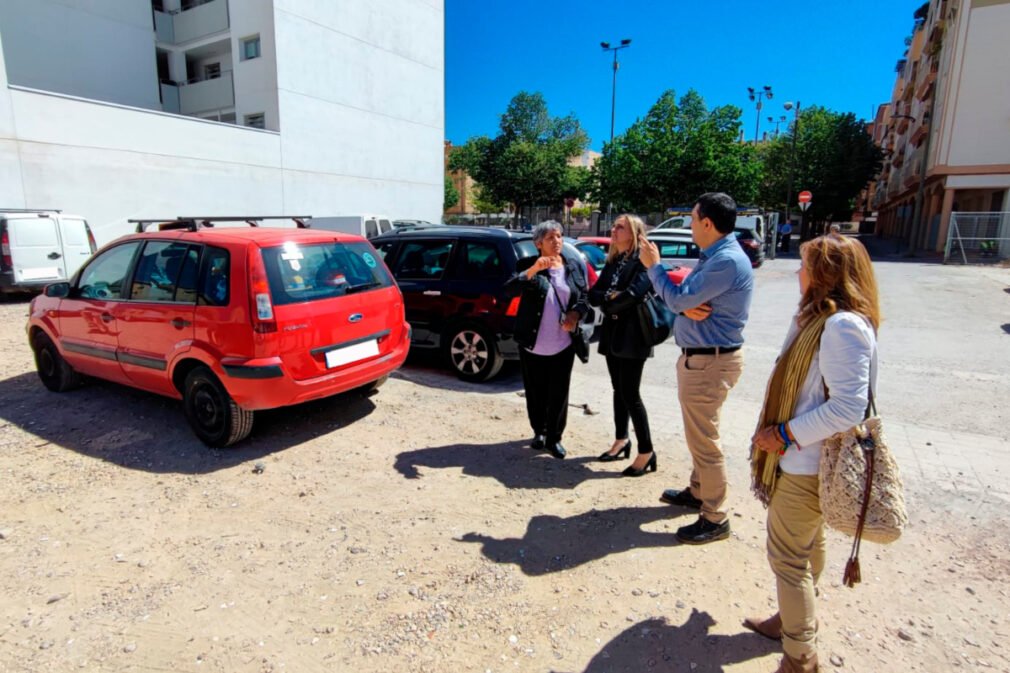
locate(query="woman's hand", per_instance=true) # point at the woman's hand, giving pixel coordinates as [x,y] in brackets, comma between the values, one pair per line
[767,439]
[542,264]
[570,321]
[699,313]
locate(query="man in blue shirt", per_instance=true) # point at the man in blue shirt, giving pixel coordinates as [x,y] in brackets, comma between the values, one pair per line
[715,298]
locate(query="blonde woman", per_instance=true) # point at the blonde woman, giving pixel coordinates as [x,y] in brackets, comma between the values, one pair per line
[621,286]
[820,386]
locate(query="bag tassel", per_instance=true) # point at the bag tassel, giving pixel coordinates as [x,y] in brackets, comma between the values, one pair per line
[852,575]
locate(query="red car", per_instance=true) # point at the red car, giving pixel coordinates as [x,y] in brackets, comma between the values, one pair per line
[229,320]
[676,272]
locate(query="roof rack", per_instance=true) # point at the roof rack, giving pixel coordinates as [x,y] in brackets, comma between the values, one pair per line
[30,210]
[207,221]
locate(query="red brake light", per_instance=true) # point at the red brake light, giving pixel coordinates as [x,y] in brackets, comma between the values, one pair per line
[5,248]
[591,274]
[260,307]
[91,239]
[513,308]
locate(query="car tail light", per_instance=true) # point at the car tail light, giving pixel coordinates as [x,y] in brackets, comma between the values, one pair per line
[91,239]
[5,248]
[751,243]
[591,274]
[261,307]
[513,308]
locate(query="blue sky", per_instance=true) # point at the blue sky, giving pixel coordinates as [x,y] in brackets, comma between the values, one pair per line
[836,53]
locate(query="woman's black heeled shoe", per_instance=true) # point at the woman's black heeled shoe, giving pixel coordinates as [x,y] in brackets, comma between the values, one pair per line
[650,466]
[623,453]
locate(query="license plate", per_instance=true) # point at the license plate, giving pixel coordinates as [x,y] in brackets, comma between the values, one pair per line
[347,354]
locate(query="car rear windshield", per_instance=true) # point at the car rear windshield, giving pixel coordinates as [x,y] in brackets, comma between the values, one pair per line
[300,273]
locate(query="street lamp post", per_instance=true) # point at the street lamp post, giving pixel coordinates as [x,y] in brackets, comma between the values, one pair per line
[613,105]
[792,161]
[758,94]
[772,120]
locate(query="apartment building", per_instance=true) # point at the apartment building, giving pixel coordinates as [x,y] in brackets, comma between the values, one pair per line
[151,108]
[946,130]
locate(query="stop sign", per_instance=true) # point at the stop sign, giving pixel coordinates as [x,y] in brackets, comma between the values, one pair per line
[569,202]
[805,197]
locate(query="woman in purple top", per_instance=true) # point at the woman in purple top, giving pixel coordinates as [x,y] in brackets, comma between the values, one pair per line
[553,302]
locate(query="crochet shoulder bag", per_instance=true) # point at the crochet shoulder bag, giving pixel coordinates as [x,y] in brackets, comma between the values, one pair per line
[860,487]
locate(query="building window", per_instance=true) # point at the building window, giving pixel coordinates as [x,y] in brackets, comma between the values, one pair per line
[250,47]
[256,121]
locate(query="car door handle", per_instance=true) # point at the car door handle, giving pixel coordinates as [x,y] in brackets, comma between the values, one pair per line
[107,317]
[54,255]
[179,323]
[432,293]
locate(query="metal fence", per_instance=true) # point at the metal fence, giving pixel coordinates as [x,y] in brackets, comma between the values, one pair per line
[977,238]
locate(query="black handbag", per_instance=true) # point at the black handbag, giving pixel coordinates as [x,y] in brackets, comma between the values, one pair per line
[656,319]
[580,341]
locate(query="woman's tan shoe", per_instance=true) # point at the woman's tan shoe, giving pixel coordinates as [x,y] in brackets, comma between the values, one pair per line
[769,628]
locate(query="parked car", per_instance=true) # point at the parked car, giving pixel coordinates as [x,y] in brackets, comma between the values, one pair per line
[747,237]
[452,279]
[601,242]
[414,224]
[677,222]
[752,244]
[368,226]
[41,247]
[228,320]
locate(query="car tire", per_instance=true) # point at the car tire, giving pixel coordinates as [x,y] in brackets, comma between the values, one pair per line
[371,388]
[211,412]
[55,373]
[472,352]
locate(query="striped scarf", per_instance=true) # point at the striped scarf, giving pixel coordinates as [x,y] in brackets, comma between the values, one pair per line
[780,401]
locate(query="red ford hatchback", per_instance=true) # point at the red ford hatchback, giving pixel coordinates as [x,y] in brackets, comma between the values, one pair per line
[229,320]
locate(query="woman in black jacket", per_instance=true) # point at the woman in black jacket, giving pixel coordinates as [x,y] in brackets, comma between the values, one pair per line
[551,306]
[622,286]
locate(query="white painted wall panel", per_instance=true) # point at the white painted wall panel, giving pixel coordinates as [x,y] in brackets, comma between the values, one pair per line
[102,49]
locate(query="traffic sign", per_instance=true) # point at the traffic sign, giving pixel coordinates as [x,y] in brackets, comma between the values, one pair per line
[804,205]
[805,197]
[569,202]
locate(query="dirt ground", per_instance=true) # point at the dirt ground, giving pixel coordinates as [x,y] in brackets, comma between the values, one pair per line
[412,531]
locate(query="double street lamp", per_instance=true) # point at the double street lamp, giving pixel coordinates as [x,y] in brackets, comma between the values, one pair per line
[792,159]
[772,120]
[758,94]
[613,104]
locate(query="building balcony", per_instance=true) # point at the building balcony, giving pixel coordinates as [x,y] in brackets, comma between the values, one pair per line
[920,134]
[199,96]
[926,88]
[193,21]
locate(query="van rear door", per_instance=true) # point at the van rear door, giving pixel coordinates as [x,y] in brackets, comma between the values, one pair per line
[76,244]
[36,254]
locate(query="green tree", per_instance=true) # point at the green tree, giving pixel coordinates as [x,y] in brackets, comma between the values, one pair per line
[527,162]
[677,152]
[835,158]
[451,197]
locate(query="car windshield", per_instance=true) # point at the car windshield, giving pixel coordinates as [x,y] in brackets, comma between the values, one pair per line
[597,258]
[300,273]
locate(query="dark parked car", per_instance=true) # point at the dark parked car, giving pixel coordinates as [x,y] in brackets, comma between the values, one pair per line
[452,279]
[751,243]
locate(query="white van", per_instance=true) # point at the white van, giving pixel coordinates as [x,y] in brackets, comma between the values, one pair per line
[368,226]
[41,247]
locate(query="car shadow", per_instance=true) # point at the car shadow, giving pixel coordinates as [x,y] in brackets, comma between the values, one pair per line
[513,464]
[425,367]
[656,644]
[147,432]
[555,544]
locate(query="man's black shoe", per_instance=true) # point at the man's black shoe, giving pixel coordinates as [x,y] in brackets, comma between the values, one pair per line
[557,451]
[538,443]
[680,498]
[703,531]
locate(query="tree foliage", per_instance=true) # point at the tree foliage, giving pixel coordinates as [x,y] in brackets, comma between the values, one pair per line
[451,197]
[835,158]
[677,152]
[527,162]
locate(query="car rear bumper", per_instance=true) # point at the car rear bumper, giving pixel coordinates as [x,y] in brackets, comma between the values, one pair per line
[264,383]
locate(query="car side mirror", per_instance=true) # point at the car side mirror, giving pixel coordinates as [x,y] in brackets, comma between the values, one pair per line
[59,290]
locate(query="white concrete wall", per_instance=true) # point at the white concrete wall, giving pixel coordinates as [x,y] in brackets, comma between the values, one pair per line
[255,79]
[976,123]
[101,49]
[361,97]
[11,188]
[115,163]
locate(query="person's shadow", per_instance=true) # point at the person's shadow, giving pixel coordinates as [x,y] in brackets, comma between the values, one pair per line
[655,644]
[511,463]
[553,544]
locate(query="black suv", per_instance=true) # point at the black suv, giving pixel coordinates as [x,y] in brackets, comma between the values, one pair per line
[452,280]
